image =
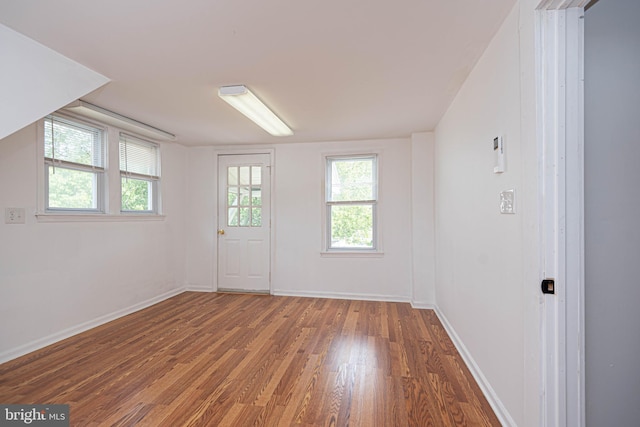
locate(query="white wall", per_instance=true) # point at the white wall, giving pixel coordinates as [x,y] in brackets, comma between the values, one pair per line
[200,232]
[299,268]
[35,80]
[612,210]
[59,278]
[423,219]
[486,262]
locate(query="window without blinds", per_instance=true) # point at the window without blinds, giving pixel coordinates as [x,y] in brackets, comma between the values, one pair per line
[74,154]
[351,199]
[139,174]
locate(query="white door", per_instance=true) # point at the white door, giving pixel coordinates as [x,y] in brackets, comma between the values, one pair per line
[244,190]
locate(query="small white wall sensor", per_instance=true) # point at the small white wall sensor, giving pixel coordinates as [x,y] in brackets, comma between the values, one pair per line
[498,155]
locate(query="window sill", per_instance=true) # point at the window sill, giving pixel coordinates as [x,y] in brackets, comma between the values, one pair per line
[351,254]
[70,217]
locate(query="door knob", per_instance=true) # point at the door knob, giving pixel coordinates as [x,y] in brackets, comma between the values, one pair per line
[221,232]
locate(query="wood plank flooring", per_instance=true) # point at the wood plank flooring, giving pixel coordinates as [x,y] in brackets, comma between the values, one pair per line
[202,359]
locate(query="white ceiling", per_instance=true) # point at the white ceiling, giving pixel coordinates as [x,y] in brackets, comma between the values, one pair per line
[332,69]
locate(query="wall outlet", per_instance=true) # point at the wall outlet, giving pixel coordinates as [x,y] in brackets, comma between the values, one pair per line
[14,216]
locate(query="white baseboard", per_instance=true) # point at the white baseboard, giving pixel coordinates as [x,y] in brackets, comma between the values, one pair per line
[14,353]
[191,287]
[489,393]
[339,295]
[423,305]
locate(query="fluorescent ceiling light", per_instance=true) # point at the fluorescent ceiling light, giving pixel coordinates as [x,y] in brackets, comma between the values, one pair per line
[109,117]
[241,98]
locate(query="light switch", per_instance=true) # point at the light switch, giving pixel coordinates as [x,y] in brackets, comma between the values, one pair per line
[508,202]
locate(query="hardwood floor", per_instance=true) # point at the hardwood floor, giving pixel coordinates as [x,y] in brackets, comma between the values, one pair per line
[242,360]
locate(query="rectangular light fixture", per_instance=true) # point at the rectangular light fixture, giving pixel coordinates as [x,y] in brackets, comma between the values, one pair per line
[243,100]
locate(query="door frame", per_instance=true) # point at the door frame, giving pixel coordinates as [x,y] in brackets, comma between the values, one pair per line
[225,151]
[560,130]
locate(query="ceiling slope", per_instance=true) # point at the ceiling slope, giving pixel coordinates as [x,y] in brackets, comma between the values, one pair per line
[331,69]
[35,81]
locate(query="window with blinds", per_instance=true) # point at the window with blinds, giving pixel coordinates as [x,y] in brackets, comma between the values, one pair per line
[139,174]
[74,161]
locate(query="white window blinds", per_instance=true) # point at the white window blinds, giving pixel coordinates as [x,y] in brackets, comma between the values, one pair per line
[139,158]
[72,143]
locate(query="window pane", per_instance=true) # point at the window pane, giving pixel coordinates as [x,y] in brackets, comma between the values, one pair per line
[245,215]
[244,175]
[351,226]
[72,189]
[256,217]
[244,196]
[232,218]
[232,196]
[136,194]
[140,170]
[352,180]
[232,175]
[139,157]
[256,175]
[72,142]
[256,196]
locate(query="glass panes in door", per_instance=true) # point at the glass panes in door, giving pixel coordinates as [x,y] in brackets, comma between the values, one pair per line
[244,196]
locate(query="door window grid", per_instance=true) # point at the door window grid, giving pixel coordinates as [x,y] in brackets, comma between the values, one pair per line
[244,196]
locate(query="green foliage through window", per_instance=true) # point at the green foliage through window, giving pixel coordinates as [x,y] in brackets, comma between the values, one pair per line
[352,226]
[244,196]
[71,189]
[72,142]
[140,173]
[136,195]
[75,152]
[351,202]
[74,165]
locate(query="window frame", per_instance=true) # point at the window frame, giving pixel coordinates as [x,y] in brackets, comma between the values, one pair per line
[99,172]
[154,180]
[110,190]
[327,248]
[239,205]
